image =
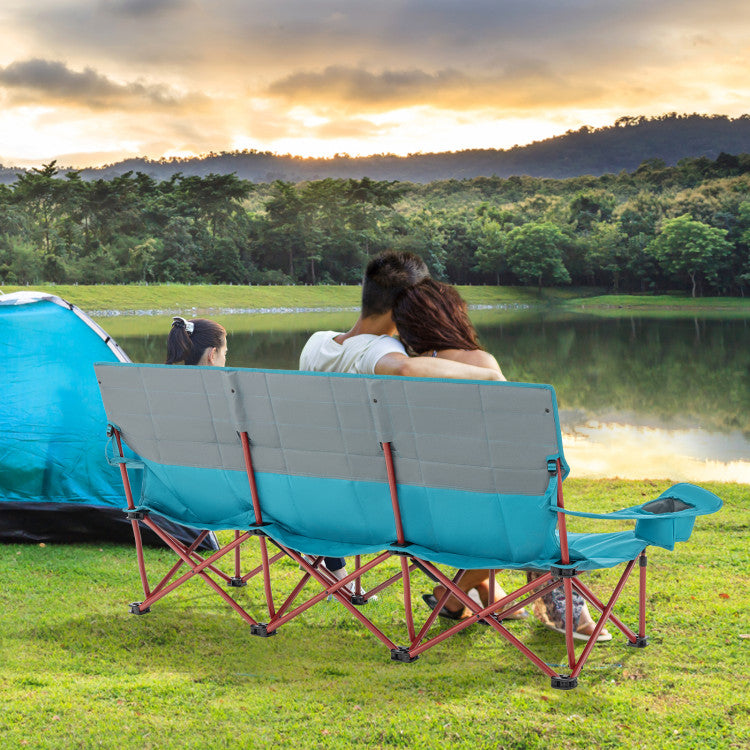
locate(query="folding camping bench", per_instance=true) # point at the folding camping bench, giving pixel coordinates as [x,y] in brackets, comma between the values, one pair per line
[455,473]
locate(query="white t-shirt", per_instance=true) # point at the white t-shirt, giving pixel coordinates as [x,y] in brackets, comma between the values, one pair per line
[358,354]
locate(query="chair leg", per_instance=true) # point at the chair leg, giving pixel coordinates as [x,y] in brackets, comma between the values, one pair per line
[642,640]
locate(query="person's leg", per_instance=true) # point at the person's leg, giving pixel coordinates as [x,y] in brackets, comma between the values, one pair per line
[550,611]
[479,580]
[335,563]
[471,579]
[337,568]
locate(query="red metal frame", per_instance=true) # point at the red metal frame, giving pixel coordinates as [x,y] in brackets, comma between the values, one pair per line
[417,636]
[197,565]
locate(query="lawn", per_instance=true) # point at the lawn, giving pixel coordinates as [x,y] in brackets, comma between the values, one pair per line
[206,297]
[80,672]
[672,303]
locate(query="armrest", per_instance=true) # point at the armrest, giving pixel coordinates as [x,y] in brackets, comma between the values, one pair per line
[667,519]
[130,463]
[112,455]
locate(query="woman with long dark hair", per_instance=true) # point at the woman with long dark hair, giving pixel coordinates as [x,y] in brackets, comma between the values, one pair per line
[433,321]
[196,342]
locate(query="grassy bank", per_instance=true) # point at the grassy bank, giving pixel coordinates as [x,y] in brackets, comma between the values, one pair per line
[183,297]
[205,297]
[78,671]
[662,302]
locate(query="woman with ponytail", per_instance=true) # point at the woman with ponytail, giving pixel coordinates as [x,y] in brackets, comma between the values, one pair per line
[196,342]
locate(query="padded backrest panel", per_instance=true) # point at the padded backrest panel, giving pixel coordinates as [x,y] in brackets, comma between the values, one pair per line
[470,458]
[472,436]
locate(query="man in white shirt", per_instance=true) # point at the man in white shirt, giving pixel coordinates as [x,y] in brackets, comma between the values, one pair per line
[369,347]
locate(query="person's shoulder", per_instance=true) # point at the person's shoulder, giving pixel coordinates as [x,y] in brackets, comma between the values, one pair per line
[365,340]
[313,348]
[371,349]
[323,335]
[383,341]
[319,338]
[476,357]
[481,358]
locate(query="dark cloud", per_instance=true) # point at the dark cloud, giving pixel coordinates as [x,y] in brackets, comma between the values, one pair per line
[264,38]
[526,84]
[143,8]
[361,86]
[48,80]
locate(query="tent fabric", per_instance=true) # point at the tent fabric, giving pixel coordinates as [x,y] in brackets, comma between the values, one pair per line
[475,464]
[51,418]
[53,425]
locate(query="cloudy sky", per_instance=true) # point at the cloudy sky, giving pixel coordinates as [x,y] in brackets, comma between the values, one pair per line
[94,81]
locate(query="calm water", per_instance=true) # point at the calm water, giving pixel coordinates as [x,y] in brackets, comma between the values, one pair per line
[639,397]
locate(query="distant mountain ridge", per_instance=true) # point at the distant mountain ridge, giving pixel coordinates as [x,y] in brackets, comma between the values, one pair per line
[595,151]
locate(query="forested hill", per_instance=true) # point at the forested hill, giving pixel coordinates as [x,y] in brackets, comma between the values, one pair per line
[622,146]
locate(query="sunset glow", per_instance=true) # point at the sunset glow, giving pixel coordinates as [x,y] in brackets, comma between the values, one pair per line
[92,82]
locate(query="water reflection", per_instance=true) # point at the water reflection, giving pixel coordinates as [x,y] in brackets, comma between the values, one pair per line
[598,449]
[639,397]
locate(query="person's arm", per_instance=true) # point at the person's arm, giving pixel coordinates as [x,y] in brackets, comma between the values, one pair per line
[477,357]
[432,367]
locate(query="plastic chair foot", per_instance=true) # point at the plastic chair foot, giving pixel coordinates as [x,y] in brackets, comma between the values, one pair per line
[261,629]
[564,683]
[135,609]
[237,583]
[358,600]
[401,653]
[639,642]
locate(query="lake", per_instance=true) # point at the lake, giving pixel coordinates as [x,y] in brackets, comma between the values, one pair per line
[640,397]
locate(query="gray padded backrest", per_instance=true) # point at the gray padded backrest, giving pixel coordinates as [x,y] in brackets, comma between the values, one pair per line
[482,437]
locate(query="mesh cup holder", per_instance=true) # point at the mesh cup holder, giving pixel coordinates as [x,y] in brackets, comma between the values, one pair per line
[665,505]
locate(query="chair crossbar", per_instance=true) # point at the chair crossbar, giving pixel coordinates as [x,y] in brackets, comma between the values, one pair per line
[388,582]
[195,556]
[259,569]
[592,599]
[578,666]
[335,590]
[196,569]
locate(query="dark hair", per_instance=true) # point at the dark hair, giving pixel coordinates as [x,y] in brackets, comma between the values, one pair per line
[387,275]
[186,345]
[432,315]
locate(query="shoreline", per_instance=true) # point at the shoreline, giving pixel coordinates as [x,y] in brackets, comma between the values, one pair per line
[109,300]
[267,310]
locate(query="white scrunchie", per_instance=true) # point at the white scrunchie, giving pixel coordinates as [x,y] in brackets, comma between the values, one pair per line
[189,325]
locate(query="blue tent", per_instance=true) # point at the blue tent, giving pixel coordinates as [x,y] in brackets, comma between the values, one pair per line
[55,484]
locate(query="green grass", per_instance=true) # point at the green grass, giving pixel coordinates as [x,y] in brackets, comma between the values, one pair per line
[663,302]
[203,298]
[79,672]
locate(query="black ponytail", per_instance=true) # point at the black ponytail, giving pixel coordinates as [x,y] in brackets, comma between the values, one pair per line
[189,339]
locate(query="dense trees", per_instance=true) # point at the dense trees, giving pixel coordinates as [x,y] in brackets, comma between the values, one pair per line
[692,248]
[660,227]
[534,253]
